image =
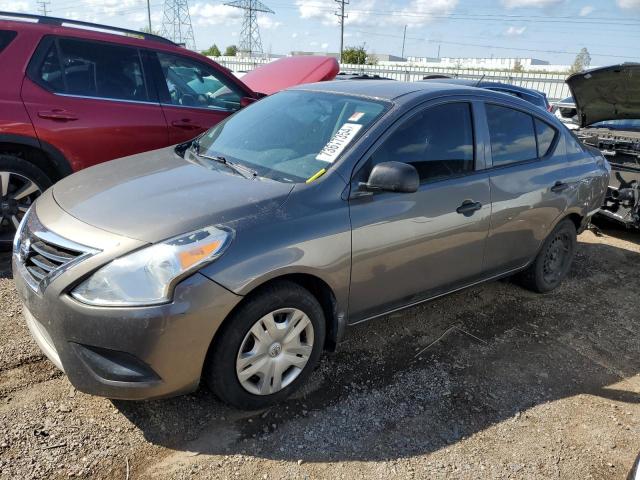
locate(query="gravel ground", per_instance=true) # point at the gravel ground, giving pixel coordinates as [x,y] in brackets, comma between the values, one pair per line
[491,382]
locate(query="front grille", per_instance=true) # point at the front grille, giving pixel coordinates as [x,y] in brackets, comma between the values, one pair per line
[42,255]
[45,258]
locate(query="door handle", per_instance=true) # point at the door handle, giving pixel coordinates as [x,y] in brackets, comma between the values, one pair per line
[559,187]
[468,207]
[58,114]
[186,124]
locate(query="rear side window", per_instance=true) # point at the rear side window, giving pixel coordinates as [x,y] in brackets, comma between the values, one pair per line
[512,133]
[438,142]
[5,38]
[93,69]
[545,134]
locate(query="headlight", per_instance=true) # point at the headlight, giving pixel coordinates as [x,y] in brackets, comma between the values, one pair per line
[147,276]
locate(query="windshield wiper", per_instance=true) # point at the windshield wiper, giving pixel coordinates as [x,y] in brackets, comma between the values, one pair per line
[241,170]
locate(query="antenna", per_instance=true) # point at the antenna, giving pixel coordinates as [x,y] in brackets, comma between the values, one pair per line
[176,23]
[250,41]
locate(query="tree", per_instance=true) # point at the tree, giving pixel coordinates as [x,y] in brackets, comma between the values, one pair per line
[231,51]
[212,51]
[354,55]
[153,32]
[582,61]
[517,66]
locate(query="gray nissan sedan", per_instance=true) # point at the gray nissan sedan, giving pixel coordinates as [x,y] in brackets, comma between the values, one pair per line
[238,258]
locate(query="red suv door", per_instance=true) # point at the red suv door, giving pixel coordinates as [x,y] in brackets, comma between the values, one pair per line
[194,95]
[93,100]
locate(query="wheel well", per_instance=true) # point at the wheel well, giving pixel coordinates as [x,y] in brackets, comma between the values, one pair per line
[576,219]
[319,289]
[36,156]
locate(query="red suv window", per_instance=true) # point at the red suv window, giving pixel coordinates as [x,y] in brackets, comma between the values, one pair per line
[92,69]
[5,38]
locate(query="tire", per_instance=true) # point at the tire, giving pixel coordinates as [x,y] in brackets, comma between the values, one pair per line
[237,351]
[16,175]
[553,262]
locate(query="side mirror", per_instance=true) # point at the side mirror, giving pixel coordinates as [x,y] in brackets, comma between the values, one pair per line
[392,177]
[246,101]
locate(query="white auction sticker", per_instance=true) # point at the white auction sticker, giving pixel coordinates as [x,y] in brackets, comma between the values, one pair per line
[338,142]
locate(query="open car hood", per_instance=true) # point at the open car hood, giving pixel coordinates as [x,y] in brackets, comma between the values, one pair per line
[608,93]
[290,71]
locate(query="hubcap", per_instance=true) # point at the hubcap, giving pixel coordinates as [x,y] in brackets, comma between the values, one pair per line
[275,351]
[17,193]
[556,258]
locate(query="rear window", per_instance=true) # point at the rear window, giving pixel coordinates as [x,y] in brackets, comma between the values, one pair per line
[93,69]
[513,137]
[5,38]
[545,134]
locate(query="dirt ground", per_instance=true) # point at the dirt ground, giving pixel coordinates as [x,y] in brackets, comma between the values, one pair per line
[491,382]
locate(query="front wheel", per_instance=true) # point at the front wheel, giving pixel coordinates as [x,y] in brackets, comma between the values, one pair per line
[267,348]
[21,183]
[554,259]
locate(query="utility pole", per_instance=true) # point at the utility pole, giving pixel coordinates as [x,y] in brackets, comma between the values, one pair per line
[43,6]
[404,37]
[149,15]
[341,16]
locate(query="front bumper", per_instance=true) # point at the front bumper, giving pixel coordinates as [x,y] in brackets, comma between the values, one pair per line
[129,353]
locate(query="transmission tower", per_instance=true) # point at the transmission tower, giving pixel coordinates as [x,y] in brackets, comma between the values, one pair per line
[250,41]
[176,23]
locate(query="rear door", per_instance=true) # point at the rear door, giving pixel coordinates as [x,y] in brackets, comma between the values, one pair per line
[411,246]
[194,95]
[532,184]
[93,100]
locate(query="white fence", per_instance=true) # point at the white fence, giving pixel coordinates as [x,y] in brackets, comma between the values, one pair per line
[552,84]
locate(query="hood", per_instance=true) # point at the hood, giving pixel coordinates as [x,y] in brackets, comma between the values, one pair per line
[157,195]
[291,71]
[608,93]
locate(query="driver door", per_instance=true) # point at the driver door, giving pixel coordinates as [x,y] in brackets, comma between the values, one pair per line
[194,96]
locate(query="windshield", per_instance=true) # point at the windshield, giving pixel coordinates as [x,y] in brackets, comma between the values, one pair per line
[625,124]
[291,136]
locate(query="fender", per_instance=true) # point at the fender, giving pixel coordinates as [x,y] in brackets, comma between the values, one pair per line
[60,163]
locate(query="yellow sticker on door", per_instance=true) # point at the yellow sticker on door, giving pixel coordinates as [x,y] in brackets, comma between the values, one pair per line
[338,142]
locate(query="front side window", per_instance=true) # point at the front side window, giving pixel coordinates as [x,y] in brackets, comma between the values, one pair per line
[437,142]
[193,84]
[513,137]
[93,69]
[293,135]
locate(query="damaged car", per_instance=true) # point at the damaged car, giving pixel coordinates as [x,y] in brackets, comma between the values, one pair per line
[607,102]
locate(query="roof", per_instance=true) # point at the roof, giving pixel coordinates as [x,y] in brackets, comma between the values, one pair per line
[383,89]
[483,84]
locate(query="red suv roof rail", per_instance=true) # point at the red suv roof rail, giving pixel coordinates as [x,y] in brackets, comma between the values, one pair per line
[60,21]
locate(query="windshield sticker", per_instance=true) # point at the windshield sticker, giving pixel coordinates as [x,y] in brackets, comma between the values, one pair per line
[338,142]
[356,116]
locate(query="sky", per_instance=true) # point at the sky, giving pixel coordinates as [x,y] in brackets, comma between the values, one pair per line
[551,30]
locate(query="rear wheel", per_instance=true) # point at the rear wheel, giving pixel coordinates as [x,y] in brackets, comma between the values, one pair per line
[21,183]
[267,348]
[554,259]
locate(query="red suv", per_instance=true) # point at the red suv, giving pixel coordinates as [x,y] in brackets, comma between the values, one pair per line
[73,96]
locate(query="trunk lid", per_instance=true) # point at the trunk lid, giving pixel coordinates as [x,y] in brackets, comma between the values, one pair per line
[291,71]
[608,93]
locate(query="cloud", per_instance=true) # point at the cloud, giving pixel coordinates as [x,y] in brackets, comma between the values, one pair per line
[365,12]
[629,4]
[324,46]
[531,3]
[13,6]
[584,11]
[514,31]
[268,23]
[214,14]
[294,35]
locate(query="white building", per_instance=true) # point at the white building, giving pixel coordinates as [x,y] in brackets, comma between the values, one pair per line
[492,63]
